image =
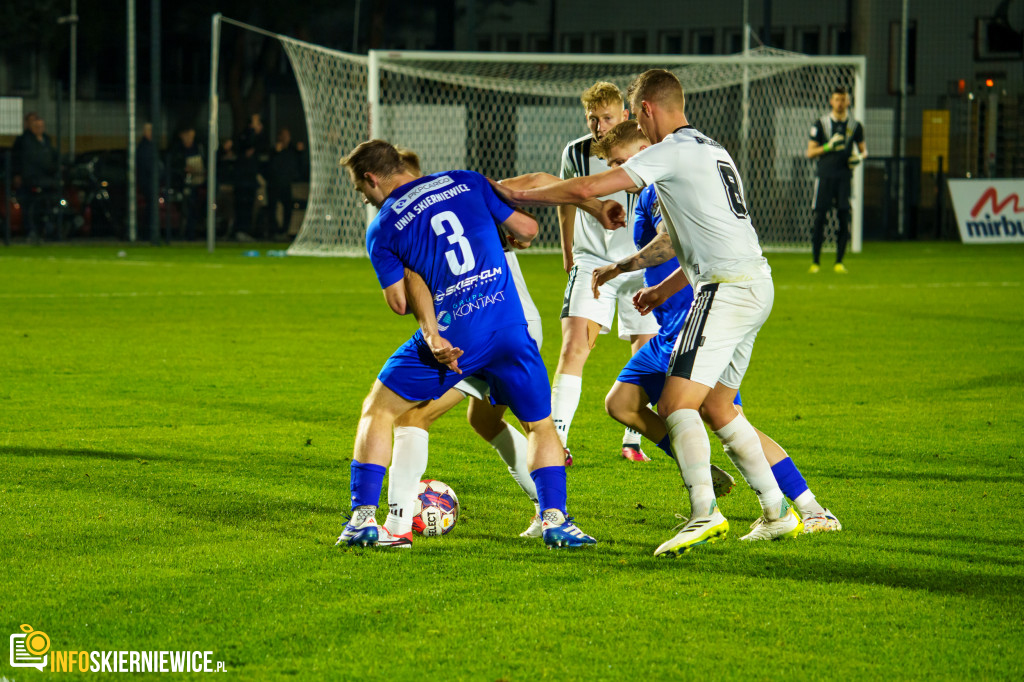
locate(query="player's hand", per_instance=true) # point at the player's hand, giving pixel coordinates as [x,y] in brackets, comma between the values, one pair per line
[603,274]
[567,261]
[502,191]
[444,352]
[836,143]
[612,215]
[515,243]
[647,299]
[855,158]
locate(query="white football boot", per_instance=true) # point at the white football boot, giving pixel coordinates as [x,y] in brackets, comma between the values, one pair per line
[700,530]
[536,528]
[788,525]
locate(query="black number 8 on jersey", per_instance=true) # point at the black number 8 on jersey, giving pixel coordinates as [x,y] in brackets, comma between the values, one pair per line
[732,189]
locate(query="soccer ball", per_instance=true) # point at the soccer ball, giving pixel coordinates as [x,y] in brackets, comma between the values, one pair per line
[436,509]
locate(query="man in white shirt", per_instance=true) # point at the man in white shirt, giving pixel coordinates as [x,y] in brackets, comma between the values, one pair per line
[586,245]
[704,210]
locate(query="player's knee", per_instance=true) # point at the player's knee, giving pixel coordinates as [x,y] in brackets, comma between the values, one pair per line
[717,414]
[613,405]
[414,418]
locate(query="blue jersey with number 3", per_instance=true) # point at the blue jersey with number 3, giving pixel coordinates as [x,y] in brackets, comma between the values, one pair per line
[672,313]
[441,226]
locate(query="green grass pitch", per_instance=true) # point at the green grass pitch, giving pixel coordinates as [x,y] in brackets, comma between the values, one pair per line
[175,435]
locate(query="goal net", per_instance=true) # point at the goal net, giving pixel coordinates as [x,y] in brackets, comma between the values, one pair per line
[508,114]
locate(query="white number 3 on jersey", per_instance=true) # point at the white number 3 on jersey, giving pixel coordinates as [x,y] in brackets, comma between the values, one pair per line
[731,180]
[442,223]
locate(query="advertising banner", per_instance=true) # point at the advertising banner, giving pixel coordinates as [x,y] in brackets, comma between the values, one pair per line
[989,211]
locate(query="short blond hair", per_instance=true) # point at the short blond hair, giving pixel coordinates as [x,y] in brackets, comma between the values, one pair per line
[602,94]
[410,159]
[659,86]
[625,133]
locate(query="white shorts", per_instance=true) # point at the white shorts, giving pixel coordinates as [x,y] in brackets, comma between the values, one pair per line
[579,301]
[716,341]
[475,387]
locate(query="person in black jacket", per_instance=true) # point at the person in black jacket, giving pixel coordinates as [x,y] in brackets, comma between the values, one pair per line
[35,176]
[188,176]
[284,168]
[251,150]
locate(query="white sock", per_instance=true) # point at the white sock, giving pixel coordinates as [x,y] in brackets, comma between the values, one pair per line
[693,455]
[565,398]
[513,446]
[807,504]
[744,449]
[630,437]
[408,463]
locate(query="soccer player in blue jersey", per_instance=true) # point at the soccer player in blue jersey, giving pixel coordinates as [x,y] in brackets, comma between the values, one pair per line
[441,227]
[643,378]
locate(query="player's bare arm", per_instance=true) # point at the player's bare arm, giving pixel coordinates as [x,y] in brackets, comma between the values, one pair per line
[566,234]
[659,250]
[395,297]
[522,227]
[609,213]
[575,190]
[649,298]
[421,304]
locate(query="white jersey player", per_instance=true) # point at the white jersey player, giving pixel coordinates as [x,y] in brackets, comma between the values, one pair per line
[586,245]
[704,209]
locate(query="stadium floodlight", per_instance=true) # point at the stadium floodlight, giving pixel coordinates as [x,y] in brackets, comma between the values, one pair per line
[504,114]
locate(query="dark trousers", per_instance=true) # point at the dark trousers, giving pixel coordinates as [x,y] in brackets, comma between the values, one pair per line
[245,199]
[829,193]
[193,209]
[281,194]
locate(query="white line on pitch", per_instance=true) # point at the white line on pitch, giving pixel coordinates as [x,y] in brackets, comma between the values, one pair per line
[929,285]
[154,294]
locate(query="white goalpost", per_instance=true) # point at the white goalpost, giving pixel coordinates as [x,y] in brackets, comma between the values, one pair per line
[508,114]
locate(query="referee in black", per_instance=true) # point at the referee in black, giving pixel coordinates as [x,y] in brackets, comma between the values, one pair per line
[837,142]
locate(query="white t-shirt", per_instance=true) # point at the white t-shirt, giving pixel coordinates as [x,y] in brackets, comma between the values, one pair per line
[588,235]
[529,307]
[703,205]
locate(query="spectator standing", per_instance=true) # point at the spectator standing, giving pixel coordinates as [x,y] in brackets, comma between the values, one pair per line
[251,149]
[145,160]
[188,175]
[284,168]
[35,170]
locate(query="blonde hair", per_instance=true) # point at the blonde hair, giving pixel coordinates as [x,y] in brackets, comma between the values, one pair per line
[411,160]
[625,133]
[601,94]
[659,86]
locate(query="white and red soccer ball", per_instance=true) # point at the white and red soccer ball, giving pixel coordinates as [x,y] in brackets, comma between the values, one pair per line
[436,509]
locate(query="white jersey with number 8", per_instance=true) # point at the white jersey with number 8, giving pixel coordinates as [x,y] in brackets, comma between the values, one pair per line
[703,206]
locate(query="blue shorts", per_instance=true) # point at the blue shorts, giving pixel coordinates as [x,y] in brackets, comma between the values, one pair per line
[647,369]
[507,359]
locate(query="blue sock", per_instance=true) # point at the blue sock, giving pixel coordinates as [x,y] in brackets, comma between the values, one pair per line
[789,478]
[666,445]
[366,483]
[550,482]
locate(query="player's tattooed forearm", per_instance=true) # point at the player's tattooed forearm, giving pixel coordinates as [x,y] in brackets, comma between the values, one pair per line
[658,251]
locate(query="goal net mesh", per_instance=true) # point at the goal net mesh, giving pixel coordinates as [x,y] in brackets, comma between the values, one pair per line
[504,117]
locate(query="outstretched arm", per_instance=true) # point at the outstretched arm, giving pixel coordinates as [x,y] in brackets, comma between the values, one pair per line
[594,207]
[575,190]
